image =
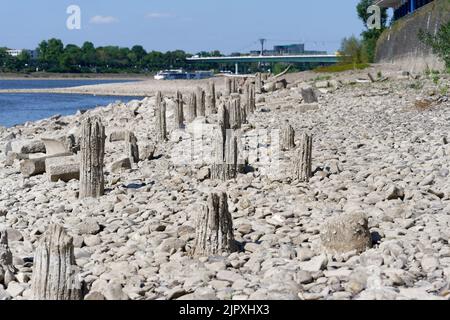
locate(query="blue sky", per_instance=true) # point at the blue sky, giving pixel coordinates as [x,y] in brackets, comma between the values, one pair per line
[190,25]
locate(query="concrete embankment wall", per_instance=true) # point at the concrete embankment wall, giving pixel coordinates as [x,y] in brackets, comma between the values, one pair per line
[401,46]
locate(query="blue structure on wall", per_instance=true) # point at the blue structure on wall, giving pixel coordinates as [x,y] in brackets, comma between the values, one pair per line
[405,7]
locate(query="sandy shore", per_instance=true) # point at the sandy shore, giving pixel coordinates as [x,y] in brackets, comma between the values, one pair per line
[148,87]
[138,88]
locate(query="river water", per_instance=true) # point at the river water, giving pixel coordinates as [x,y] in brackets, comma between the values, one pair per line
[18,108]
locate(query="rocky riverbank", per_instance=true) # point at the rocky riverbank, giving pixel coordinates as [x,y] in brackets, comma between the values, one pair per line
[380,150]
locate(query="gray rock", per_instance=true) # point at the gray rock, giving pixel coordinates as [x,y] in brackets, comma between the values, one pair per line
[227,275]
[203,174]
[146,152]
[88,226]
[14,235]
[315,264]
[4,295]
[113,291]
[94,296]
[171,244]
[15,289]
[394,193]
[120,165]
[304,254]
[92,240]
[304,277]
[429,263]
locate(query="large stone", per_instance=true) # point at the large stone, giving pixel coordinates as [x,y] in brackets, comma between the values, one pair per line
[28,146]
[147,151]
[33,167]
[117,136]
[63,168]
[345,233]
[322,84]
[57,146]
[120,165]
[308,94]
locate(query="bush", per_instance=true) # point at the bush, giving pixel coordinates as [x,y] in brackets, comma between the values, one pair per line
[352,51]
[440,43]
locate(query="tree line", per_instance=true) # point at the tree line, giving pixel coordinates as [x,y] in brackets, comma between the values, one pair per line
[53,56]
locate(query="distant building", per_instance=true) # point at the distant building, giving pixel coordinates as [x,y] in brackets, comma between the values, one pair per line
[402,7]
[17,52]
[14,52]
[287,50]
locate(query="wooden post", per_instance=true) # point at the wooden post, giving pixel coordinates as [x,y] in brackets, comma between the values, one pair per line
[217,167]
[245,98]
[161,117]
[131,147]
[236,115]
[303,160]
[249,99]
[55,274]
[227,86]
[211,99]
[223,118]
[258,83]
[92,145]
[234,86]
[287,137]
[192,108]
[179,115]
[200,94]
[7,269]
[252,98]
[225,165]
[214,228]
[231,166]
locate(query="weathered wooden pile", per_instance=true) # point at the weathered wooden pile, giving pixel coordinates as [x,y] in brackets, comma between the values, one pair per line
[55,274]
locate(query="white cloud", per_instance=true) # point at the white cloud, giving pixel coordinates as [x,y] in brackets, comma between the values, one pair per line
[103,20]
[159,15]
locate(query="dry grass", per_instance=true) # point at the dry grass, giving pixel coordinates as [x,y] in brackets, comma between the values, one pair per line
[423,105]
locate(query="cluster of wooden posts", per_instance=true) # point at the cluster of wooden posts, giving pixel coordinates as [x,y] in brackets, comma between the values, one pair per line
[54,274]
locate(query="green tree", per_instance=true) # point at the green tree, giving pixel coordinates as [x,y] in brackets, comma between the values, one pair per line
[88,55]
[23,61]
[3,55]
[136,56]
[154,61]
[70,60]
[50,53]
